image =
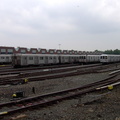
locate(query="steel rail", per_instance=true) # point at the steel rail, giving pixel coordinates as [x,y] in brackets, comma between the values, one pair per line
[43,75]
[23,70]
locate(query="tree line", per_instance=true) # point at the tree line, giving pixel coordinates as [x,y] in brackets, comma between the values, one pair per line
[116,51]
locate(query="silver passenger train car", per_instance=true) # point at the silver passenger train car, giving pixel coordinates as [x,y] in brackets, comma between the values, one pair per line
[107,58]
[42,59]
[89,58]
[5,58]
[46,59]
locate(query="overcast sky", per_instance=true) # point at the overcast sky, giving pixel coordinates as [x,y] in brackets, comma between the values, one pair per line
[83,25]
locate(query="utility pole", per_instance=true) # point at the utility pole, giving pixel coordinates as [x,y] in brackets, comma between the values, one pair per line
[59,46]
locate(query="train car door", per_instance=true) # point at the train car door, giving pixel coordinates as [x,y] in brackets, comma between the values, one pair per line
[75,59]
[59,59]
[7,59]
[2,60]
[46,59]
[36,60]
[24,60]
[54,60]
[63,59]
[70,59]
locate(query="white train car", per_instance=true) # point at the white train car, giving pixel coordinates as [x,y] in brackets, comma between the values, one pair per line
[107,58]
[63,59]
[82,58]
[93,58]
[34,59]
[73,58]
[89,58]
[5,58]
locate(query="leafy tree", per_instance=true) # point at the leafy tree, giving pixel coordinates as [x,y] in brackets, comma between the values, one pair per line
[116,51]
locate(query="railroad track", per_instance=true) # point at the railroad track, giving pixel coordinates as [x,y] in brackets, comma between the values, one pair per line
[5,67]
[51,98]
[11,70]
[49,68]
[48,74]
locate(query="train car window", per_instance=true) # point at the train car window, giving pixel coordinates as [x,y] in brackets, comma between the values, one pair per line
[36,57]
[54,57]
[50,58]
[25,58]
[7,57]
[41,58]
[30,58]
[46,57]
[2,57]
[105,57]
[10,52]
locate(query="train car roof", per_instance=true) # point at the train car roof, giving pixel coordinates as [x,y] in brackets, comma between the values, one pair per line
[93,55]
[44,55]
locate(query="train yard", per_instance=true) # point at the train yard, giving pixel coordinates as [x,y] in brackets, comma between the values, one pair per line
[51,86]
[20,75]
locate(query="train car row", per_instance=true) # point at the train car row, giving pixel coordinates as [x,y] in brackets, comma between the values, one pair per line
[44,59]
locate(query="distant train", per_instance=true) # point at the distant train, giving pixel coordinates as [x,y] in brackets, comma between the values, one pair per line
[5,58]
[19,60]
[105,58]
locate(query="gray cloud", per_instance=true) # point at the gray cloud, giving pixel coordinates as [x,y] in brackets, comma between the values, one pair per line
[72,23]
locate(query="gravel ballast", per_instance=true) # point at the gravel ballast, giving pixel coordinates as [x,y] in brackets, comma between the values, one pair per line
[106,107]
